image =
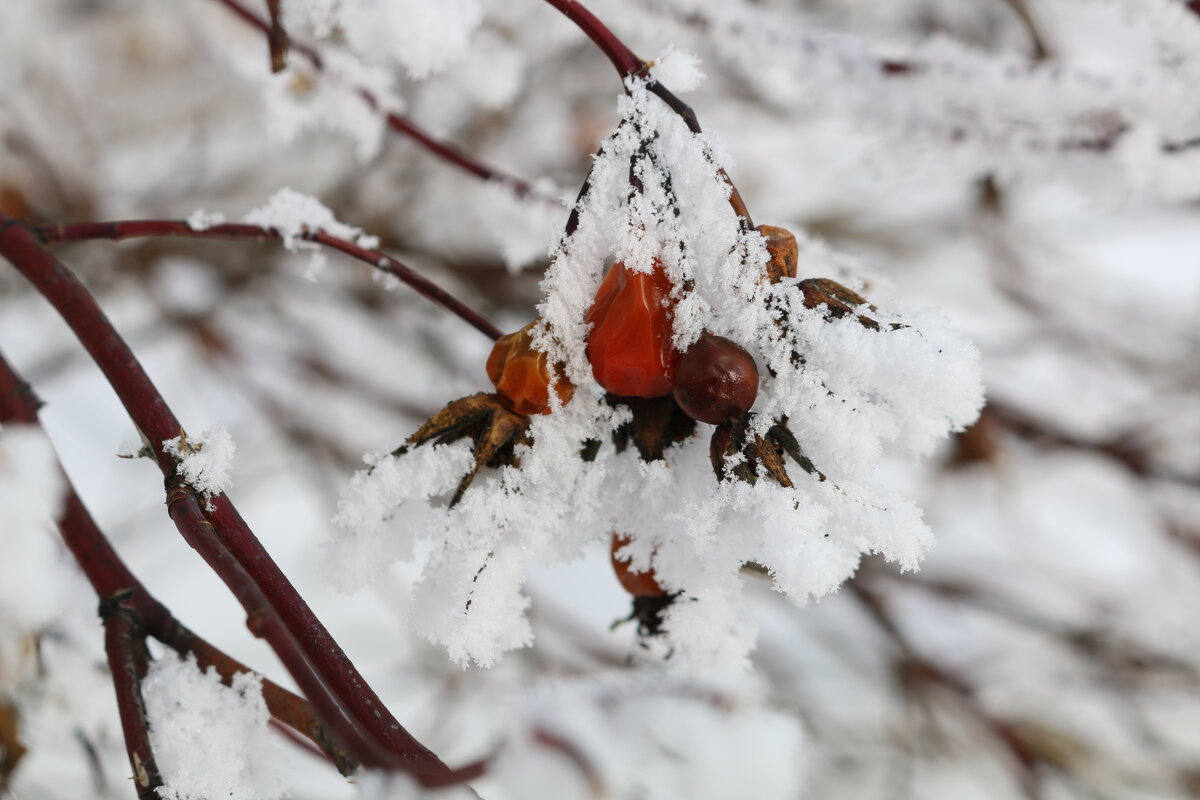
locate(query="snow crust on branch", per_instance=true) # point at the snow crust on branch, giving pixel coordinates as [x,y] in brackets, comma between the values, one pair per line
[210,740]
[850,394]
[292,215]
[205,460]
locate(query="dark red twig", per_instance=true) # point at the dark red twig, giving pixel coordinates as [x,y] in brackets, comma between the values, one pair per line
[151,414]
[125,644]
[137,229]
[112,580]
[277,38]
[628,64]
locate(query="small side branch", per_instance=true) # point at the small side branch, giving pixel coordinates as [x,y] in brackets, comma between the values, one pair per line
[125,644]
[277,38]
[143,228]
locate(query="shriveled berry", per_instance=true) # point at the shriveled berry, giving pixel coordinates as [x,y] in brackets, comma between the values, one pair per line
[783,251]
[715,380]
[638,584]
[629,345]
[521,375]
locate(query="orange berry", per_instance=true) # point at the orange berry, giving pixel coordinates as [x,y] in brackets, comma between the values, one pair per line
[521,375]
[629,345]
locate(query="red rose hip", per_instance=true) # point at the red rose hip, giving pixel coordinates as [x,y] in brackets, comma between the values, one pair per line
[715,380]
[638,584]
[629,345]
[521,375]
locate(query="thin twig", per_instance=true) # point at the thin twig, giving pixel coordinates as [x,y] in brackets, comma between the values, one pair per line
[125,644]
[277,38]
[628,65]
[137,229]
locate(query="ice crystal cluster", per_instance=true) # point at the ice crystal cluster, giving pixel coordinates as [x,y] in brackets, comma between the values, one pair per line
[210,740]
[850,394]
[205,460]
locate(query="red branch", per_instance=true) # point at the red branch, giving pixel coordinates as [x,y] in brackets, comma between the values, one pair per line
[125,644]
[628,64]
[137,229]
[152,416]
[624,59]
[112,580]
[277,38]
[401,125]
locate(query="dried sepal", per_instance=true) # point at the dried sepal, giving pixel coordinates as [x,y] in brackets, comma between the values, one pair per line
[737,453]
[486,419]
[839,301]
[656,425]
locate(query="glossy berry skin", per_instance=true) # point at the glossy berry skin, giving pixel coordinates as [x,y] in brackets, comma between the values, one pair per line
[629,345]
[520,373]
[716,380]
[638,584]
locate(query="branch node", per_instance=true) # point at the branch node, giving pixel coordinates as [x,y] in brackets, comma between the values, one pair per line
[115,604]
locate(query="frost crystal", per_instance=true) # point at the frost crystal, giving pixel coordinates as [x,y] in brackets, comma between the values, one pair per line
[851,393]
[292,215]
[201,220]
[210,740]
[205,461]
[679,70]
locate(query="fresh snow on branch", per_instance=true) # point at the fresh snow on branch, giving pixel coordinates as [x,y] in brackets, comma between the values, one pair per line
[210,740]
[205,461]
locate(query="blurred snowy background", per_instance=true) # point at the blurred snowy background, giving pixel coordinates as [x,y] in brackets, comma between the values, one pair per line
[1030,167]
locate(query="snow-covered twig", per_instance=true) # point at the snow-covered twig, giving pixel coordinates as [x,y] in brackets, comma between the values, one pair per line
[136,229]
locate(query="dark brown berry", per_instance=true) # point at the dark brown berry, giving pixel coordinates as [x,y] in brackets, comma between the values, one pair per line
[715,380]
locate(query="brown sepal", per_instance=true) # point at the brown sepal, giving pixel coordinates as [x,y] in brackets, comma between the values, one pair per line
[657,424]
[485,418]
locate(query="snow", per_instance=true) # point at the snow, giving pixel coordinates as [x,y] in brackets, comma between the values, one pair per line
[210,740]
[201,220]
[205,461]
[292,215]
[1065,567]
[678,70]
